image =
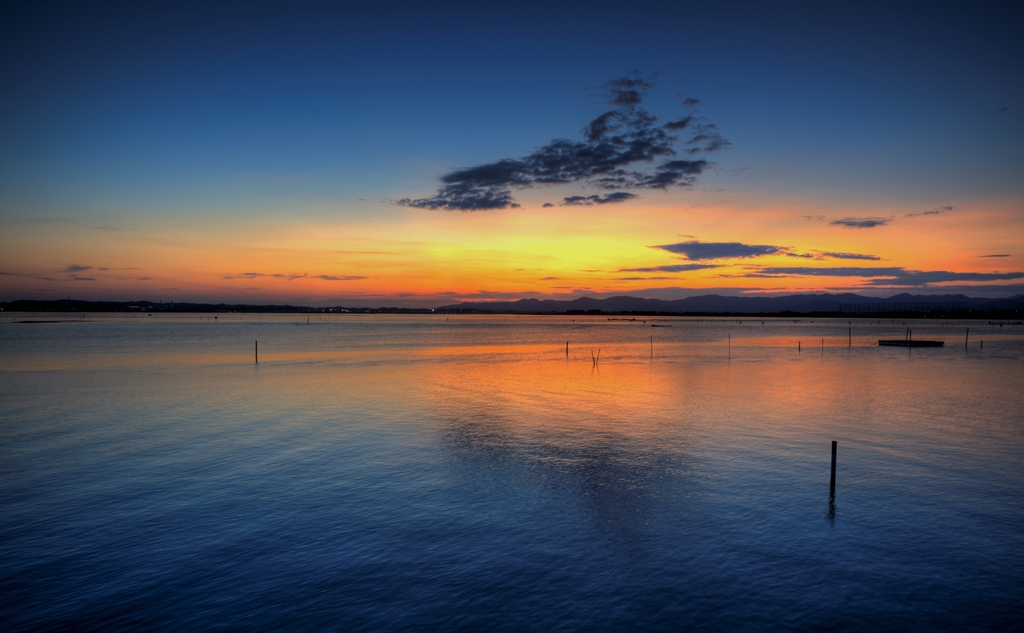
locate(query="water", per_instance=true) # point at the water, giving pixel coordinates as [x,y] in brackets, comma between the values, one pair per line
[381,472]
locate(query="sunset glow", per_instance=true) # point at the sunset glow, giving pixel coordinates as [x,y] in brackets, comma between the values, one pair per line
[157,168]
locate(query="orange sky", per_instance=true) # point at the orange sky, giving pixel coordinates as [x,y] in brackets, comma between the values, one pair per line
[409,255]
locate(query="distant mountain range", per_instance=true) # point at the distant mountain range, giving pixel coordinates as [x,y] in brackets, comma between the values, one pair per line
[717,304]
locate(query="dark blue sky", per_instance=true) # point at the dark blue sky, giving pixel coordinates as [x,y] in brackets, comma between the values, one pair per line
[254,109]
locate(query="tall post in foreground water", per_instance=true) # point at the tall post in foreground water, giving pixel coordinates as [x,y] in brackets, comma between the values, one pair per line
[967,336]
[257,352]
[832,480]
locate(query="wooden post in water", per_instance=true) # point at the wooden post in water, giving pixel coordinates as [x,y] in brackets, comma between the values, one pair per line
[832,480]
[967,336]
[730,344]
[798,346]
[567,349]
[849,335]
[257,352]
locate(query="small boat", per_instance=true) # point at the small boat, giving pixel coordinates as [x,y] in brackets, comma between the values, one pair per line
[909,341]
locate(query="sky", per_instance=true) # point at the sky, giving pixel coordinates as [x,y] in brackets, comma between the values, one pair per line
[424,155]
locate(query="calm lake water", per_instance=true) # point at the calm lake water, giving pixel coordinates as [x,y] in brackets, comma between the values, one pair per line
[393,473]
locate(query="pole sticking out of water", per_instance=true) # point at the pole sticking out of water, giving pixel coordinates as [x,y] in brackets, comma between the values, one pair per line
[798,346]
[730,343]
[849,335]
[832,480]
[567,349]
[257,352]
[967,336]
[652,346]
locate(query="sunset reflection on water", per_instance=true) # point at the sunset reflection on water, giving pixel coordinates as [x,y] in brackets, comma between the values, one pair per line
[434,472]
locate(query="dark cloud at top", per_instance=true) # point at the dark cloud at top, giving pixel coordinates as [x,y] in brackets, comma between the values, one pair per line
[860,223]
[690,102]
[615,152]
[720,250]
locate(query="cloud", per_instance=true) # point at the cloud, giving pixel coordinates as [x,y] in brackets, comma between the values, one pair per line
[719,250]
[675,172]
[73,268]
[611,198]
[834,271]
[339,277]
[860,223]
[935,211]
[618,151]
[681,124]
[997,255]
[707,139]
[671,268]
[815,218]
[1002,109]
[835,255]
[924,278]
[883,276]
[627,91]
[690,102]
[291,276]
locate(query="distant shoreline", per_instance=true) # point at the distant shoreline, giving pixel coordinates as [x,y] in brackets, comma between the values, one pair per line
[869,308]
